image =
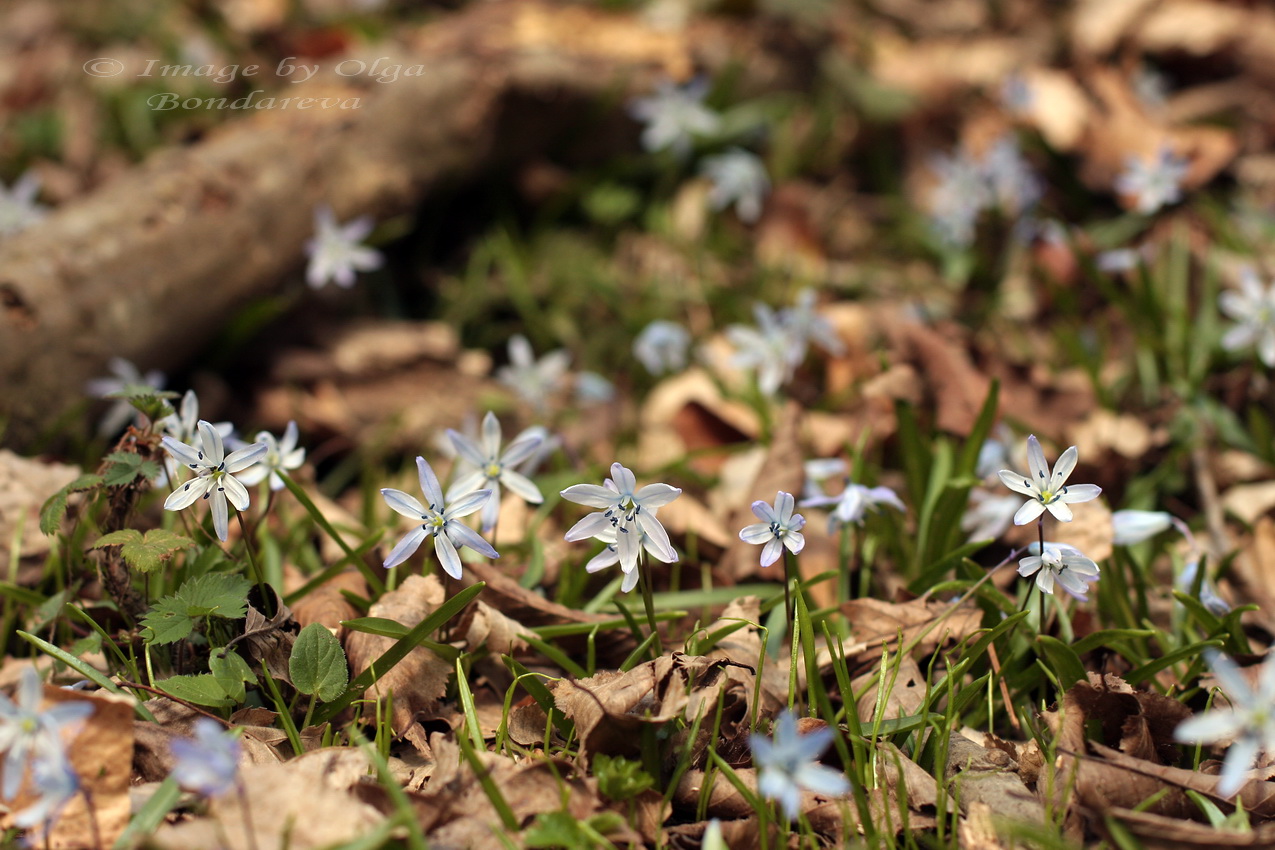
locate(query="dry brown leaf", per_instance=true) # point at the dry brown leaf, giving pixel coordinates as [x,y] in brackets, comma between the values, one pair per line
[741,834]
[1165,833]
[905,692]
[1103,431]
[1250,501]
[1099,25]
[303,803]
[24,487]
[482,625]
[688,515]
[1254,567]
[875,622]
[326,604]
[744,647]
[688,413]
[420,680]
[958,387]
[1059,109]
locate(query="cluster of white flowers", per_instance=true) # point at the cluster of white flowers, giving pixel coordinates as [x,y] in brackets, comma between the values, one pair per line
[969,185]
[779,342]
[1153,183]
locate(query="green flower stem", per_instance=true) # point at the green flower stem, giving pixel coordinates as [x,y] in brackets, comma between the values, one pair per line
[648,601]
[267,593]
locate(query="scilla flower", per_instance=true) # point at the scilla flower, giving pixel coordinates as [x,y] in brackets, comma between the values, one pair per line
[738,178]
[1253,308]
[627,510]
[854,503]
[1249,723]
[779,528]
[124,375]
[1060,565]
[438,521]
[1153,184]
[1130,527]
[788,765]
[674,116]
[214,475]
[31,736]
[492,467]
[18,207]
[534,381]
[281,456]
[335,252]
[610,556]
[208,763]
[661,347]
[1046,491]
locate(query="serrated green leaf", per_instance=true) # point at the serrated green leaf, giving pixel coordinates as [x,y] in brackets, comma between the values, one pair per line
[216,594]
[231,672]
[147,553]
[168,621]
[126,467]
[317,665]
[205,689]
[55,506]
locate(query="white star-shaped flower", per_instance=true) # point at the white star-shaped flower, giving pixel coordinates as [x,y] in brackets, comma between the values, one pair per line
[123,376]
[1253,308]
[1249,723]
[628,511]
[281,455]
[661,347]
[788,765]
[336,254]
[738,178]
[610,556]
[1153,184]
[534,381]
[31,736]
[208,763]
[438,520]
[214,475]
[854,503]
[492,467]
[675,116]
[183,426]
[1060,564]
[779,528]
[1046,491]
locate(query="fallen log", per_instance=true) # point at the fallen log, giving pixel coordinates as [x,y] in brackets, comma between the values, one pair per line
[150,265]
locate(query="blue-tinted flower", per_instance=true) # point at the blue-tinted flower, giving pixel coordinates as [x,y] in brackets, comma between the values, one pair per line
[738,178]
[1208,597]
[54,783]
[855,502]
[214,475]
[1045,490]
[534,381]
[1153,184]
[628,511]
[208,763]
[675,116]
[281,456]
[1062,565]
[818,471]
[124,375]
[661,347]
[1130,527]
[768,349]
[958,198]
[1012,184]
[804,324]
[1253,307]
[788,764]
[779,528]
[1249,723]
[336,254]
[988,516]
[438,520]
[492,467]
[1118,260]
[610,556]
[31,736]
[18,207]
[592,388]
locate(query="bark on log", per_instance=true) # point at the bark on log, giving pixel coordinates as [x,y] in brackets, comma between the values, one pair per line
[150,265]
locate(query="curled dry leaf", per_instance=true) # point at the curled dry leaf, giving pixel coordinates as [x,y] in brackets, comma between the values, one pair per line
[980,775]
[24,487]
[927,622]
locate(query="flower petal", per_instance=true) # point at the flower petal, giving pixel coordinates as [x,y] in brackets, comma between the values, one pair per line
[1036,463]
[771,551]
[656,495]
[406,547]
[220,515]
[187,456]
[467,448]
[1018,483]
[246,457]
[448,557]
[187,494]
[795,541]
[1028,512]
[757,533]
[467,504]
[463,535]
[591,526]
[1079,493]
[1061,512]
[590,495]
[491,436]
[764,512]
[235,492]
[1063,468]
[429,484]
[521,449]
[404,503]
[521,486]
[623,478]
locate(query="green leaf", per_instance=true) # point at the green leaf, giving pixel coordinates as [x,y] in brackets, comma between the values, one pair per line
[1064,661]
[167,621]
[216,594]
[206,689]
[317,665]
[145,553]
[55,506]
[126,467]
[231,672]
